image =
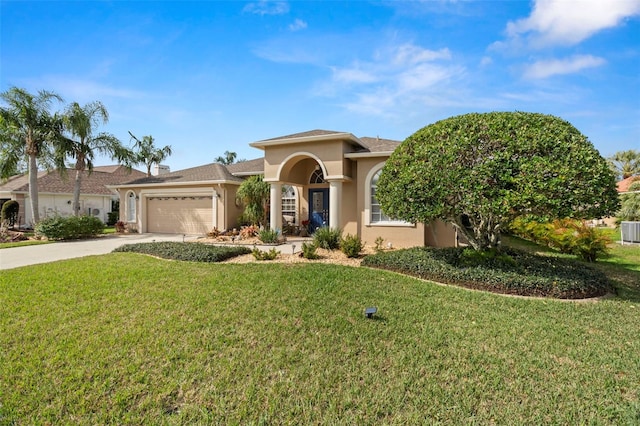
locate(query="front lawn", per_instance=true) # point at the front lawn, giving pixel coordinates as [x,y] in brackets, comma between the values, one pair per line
[130,339]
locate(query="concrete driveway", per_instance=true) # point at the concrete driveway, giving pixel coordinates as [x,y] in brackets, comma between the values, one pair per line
[44,253]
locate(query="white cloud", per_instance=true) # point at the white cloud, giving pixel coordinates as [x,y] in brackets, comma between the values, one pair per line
[82,91]
[264,7]
[410,54]
[396,77]
[548,68]
[554,22]
[353,75]
[298,25]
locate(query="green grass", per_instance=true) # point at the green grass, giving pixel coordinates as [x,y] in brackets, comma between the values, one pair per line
[24,243]
[130,339]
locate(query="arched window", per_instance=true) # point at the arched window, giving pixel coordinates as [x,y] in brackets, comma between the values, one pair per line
[289,204]
[317,176]
[131,207]
[373,211]
[376,212]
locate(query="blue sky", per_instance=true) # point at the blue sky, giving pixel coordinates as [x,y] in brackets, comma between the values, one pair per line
[210,76]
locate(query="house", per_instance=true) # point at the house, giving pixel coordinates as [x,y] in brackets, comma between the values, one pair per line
[55,192]
[325,178]
[624,184]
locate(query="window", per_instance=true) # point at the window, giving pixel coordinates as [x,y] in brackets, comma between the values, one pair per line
[376,211]
[376,216]
[289,204]
[131,207]
[317,176]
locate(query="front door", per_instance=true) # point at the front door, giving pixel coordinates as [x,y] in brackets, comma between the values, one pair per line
[318,208]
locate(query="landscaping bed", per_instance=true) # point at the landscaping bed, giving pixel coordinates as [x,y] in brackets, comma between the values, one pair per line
[193,252]
[508,271]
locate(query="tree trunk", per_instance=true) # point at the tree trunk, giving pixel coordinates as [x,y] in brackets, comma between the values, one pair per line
[76,192]
[33,189]
[481,236]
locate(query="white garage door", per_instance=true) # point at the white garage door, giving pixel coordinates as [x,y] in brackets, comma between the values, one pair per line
[180,215]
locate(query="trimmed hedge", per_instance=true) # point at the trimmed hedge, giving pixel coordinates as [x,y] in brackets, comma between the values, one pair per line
[191,252]
[506,271]
[69,228]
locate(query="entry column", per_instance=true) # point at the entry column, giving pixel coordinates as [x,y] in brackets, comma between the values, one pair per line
[275,216]
[335,198]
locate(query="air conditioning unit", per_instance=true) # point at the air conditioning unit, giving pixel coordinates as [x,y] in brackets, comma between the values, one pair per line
[630,232]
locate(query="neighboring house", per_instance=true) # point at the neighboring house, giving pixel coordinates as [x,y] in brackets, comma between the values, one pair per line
[55,192]
[623,185]
[324,177]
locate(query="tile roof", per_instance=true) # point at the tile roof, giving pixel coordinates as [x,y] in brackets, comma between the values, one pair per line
[206,173]
[623,185]
[94,183]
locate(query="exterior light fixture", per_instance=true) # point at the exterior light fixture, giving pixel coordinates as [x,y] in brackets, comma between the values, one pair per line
[293,249]
[368,312]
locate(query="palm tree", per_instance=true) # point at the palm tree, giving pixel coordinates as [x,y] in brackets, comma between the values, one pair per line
[148,154]
[28,130]
[229,158]
[254,193]
[625,163]
[82,146]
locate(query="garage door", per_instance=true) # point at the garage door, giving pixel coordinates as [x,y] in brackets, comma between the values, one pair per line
[180,215]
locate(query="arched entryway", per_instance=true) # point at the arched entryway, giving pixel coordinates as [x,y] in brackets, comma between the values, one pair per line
[318,195]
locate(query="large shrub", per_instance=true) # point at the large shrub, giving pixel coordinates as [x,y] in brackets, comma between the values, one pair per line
[480,171]
[506,271]
[68,228]
[9,213]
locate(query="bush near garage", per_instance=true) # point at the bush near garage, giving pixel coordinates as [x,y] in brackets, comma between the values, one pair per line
[508,271]
[192,252]
[69,228]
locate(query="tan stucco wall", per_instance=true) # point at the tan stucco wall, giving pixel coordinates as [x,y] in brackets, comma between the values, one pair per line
[440,234]
[329,153]
[399,235]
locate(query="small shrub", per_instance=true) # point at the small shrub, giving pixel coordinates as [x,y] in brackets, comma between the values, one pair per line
[589,242]
[113,217]
[565,235]
[351,245]
[68,228]
[265,255]
[247,232]
[213,233]
[327,238]
[9,213]
[269,236]
[309,251]
[120,226]
[379,244]
[192,252]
